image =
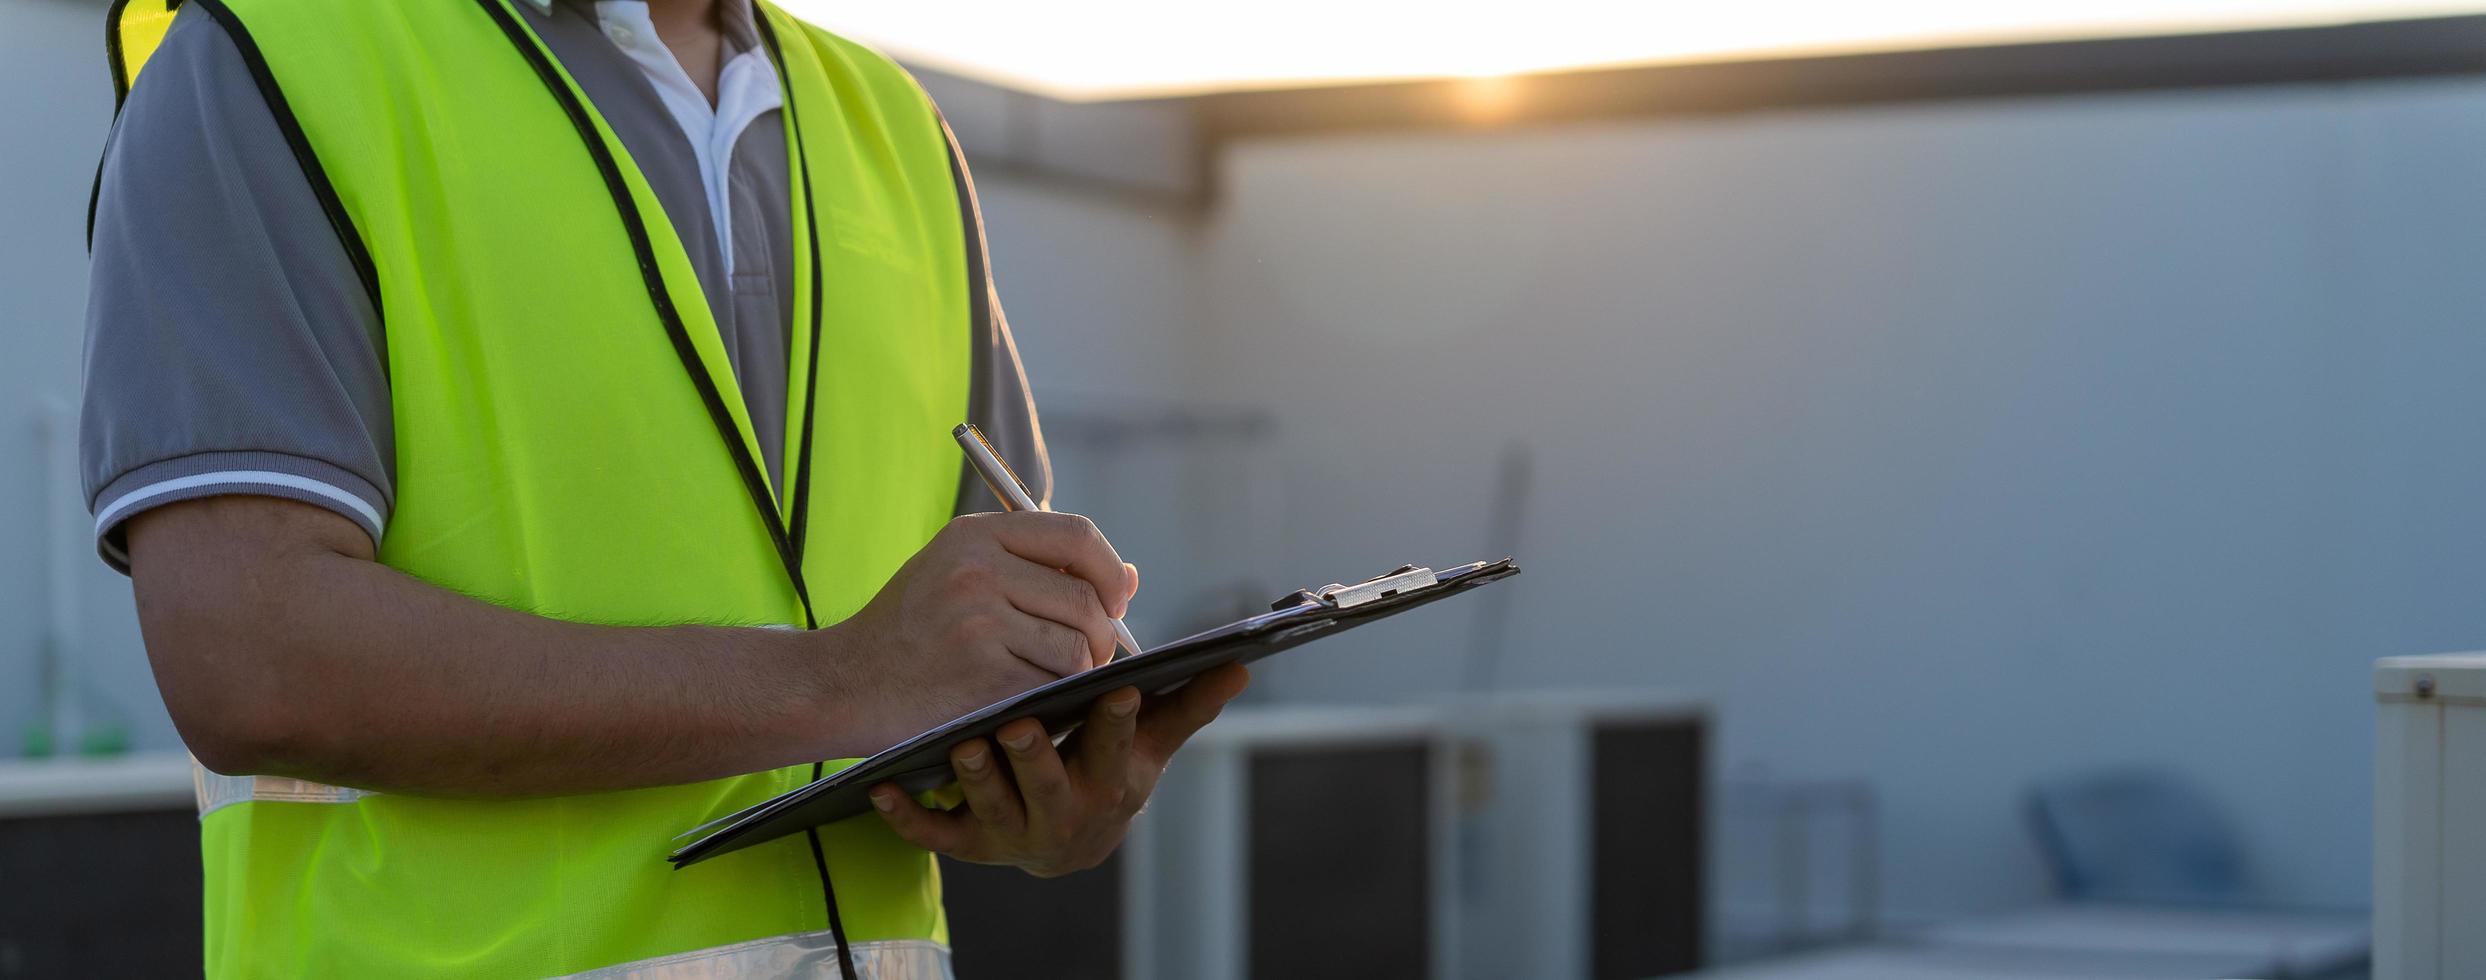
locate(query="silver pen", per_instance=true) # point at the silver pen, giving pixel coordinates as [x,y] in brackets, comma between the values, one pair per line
[1013,493]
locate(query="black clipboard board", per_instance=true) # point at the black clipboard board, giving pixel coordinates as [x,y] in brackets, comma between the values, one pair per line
[921,763]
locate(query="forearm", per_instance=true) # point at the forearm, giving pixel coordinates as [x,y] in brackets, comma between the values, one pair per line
[310,661]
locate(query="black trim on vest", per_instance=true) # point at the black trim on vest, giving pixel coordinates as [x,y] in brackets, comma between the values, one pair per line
[828,892]
[119,64]
[260,75]
[753,479]
[120,94]
[95,195]
[112,49]
[112,54]
[800,495]
[801,492]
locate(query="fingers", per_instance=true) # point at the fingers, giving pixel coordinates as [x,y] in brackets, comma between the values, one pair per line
[946,833]
[1105,746]
[1047,593]
[1068,542]
[1170,719]
[1058,650]
[1133,571]
[989,796]
[1044,787]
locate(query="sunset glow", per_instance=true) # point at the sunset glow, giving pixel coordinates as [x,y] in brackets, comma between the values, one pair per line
[1091,49]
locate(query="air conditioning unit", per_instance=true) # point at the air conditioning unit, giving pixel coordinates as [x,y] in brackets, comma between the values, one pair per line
[2430,817]
[1583,836]
[1299,842]
[1540,835]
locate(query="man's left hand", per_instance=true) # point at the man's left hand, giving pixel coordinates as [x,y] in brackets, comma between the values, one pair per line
[1059,812]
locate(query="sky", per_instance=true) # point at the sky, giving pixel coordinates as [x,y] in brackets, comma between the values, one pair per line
[1097,49]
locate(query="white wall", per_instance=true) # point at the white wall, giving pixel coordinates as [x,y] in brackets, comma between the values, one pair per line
[57,108]
[1949,445]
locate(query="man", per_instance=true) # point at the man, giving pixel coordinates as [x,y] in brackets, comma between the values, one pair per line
[525,425]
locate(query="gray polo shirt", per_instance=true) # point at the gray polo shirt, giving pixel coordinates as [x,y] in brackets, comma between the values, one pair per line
[230,348]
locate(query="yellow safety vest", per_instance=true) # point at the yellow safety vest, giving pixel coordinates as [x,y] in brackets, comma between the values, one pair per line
[571,442]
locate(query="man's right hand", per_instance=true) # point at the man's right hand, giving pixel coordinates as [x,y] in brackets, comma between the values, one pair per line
[994,605]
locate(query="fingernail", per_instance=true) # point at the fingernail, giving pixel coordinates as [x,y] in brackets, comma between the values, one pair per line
[1019,742]
[975,761]
[1123,707]
[884,802]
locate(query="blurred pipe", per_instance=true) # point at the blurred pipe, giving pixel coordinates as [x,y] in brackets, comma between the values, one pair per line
[56,449]
[1502,529]
[1182,426]
[1795,871]
[1865,875]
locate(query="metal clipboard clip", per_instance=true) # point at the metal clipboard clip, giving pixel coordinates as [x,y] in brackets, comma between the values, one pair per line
[1406,578]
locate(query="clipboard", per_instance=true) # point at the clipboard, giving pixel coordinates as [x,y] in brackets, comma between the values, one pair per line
[921,763]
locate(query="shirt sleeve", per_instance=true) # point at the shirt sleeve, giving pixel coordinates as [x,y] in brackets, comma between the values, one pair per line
[230,345]
[998,401]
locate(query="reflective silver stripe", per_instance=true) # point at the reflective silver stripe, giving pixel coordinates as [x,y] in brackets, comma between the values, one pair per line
[803,954]
[217,790]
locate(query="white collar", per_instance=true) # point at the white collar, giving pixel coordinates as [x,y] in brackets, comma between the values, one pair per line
[741,21]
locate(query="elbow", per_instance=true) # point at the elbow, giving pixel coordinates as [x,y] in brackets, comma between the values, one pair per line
[221,754]
[229,696]
[225,751]
[235,732]
[221,585]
